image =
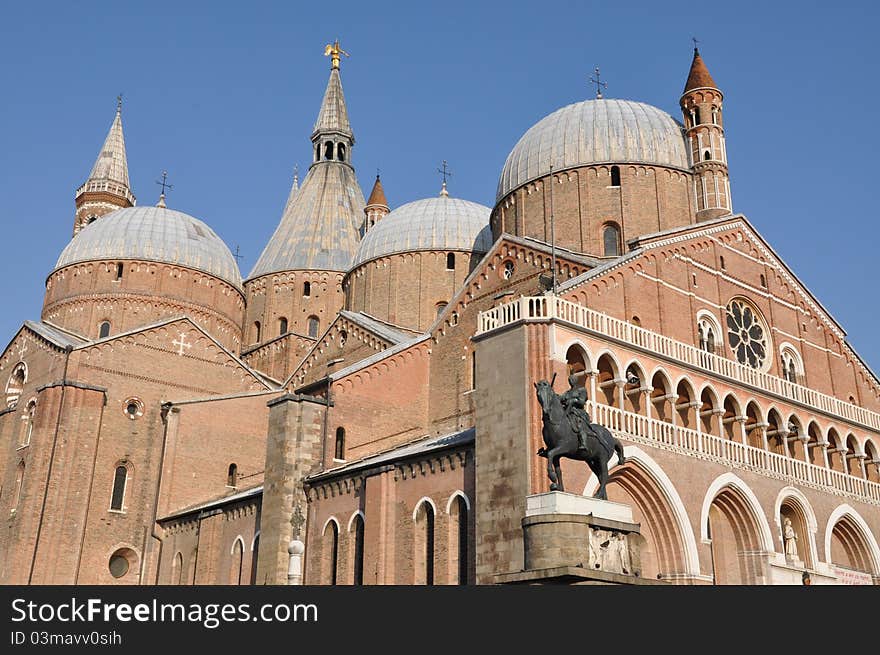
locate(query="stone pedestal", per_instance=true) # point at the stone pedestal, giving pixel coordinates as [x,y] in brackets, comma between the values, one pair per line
[571,539]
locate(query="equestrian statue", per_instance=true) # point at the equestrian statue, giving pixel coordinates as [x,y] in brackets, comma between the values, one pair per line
[568,432]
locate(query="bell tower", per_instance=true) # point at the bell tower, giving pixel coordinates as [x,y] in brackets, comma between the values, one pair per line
[701,105]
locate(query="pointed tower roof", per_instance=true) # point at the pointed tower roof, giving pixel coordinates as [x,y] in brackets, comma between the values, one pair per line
[699,75]
[294,188]
[112,164]
[377,195]
[319,226]
[333,116]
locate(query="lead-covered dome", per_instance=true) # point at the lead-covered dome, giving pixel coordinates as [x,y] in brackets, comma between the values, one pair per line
[595,132]
[155,234]
[441,223]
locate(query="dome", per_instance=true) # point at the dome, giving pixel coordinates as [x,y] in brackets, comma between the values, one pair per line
[595,132]
[441,223]
[155,234]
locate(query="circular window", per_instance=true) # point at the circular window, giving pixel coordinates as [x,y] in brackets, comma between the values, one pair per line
[121,562]
[746,334]
[133,408]
[507,270]
[343,337]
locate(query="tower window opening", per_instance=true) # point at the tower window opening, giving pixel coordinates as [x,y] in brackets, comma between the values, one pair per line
[307,289]
[763,280]
[119,480]
[697,119]
[339,448]
[450,261]
[318,152]
[282,326]
[257,332]
[611,240]
[232,475]
[104,330]
[328,150]
[722,262]
[340,152]
[314,324]
[615,176]
[119,269]
[707,156]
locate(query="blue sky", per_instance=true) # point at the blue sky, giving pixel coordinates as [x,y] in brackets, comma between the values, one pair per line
[224,95]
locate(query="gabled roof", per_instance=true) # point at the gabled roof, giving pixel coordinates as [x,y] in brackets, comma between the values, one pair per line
[388,331]
[53,334]
[214,503]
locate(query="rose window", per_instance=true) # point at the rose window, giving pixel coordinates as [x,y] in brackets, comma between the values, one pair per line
[746,334]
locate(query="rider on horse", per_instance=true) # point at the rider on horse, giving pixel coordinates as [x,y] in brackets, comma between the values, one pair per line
[574,401]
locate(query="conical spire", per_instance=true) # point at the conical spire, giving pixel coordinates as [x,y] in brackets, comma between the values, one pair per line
[699,75]
[107,187]
[112,163]
[377,195]
[333,116]
[294,188]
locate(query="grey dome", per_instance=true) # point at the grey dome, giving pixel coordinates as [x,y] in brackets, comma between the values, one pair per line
[441,223]
[155,234]
[595,132]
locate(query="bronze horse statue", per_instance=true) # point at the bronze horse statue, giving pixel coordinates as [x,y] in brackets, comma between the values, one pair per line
[562,441]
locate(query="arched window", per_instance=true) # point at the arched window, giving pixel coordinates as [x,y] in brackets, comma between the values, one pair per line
[615,176]
[328,150]
[339,450]
[119,270]
[450,261]
[257,331]
[282,325]
[29,413]
[232,475]
[314,324]
[19,481]
[119,481]
[340,152]
[177,569]
[722,262]
[334,552]
[254,557]
[104,330]
[307,289]
[791,364]
[424,544]
[697,119]
[460,522]
[440,306]
[611,240]
[15,384]
[318,152]
[358,550]
[473,370]
[707,333]
[707,156]
[763,280]
[237,563]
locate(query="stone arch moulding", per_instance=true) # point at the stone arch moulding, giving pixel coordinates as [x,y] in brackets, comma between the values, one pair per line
[665,485]
[354,516]
[812,524]
[424,499]
[458,494]
[332,519]
[731,480]
[589,359]
[870,539]
[238,539]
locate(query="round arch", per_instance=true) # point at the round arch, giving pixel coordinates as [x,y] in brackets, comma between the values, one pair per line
[751,501]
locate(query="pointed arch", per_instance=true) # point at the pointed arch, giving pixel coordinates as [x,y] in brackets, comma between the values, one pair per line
[805,524]
[664,512]
[858,528]
[752,503]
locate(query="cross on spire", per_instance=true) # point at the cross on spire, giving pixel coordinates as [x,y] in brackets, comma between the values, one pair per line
[237,255]
[599,84]
[119,103]
[694,39]
[164,184]
[445,172]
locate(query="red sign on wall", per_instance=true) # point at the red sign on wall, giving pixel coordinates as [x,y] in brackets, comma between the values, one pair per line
[850,577]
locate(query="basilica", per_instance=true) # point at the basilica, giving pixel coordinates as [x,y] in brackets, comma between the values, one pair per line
[361,407]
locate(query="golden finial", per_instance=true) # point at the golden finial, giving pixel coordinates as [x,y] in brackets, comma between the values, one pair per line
[334,51]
